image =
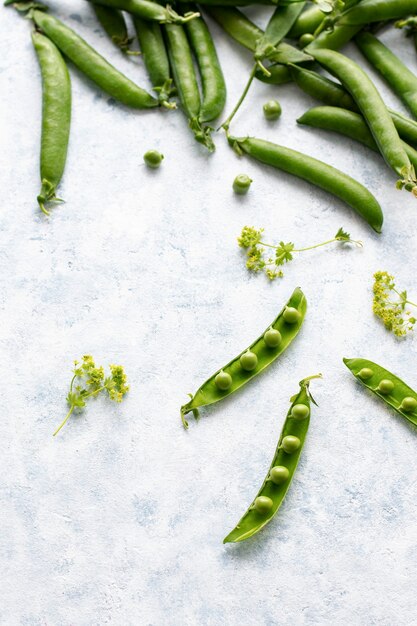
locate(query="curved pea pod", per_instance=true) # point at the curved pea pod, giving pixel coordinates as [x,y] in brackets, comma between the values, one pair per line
[276,484]
[369,11]
[249,363]
[391,389]
[114,24]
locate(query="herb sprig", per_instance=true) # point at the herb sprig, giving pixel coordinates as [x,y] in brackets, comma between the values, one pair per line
[88,381]
[257,260]
[393,313]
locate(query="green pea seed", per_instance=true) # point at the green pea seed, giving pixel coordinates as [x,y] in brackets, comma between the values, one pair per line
[241,184]
[409,404]
[279,474]
[365,373]
[248,361]
[300,411]
[263,504]
[290,444]
[272,338]
[153,158]
[291,315]
[223,381]
[305,39]
[272,110]
[385,386]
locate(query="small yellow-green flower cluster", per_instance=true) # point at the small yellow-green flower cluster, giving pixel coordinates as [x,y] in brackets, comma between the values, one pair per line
[393,313]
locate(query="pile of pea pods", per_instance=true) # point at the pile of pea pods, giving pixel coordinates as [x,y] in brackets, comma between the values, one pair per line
[301,39]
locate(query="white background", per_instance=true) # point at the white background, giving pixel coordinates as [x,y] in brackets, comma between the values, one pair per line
[120,519]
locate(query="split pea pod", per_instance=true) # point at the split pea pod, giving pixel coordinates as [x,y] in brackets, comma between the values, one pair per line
[155,57]
[148,10]
[281,472]
[261,353]
[114,25]
[56,117]
[349,124]
[387,386]
[371,105]
[316,172]
[402,81]
[92,64]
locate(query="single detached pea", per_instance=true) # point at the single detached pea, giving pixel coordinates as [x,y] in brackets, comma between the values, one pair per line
[408,404]
[305,39]
[248,361]
[291,315]
[153,158]
[223,381]
[290,444]
[365,373]
[272,110]
[279,474]
[241,184]
[300,411]
[263,504]
[272,338]
[385,386]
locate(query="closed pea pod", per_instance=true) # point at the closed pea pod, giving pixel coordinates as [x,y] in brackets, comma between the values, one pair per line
[258,356]
[387,386]
[56,117]
[148,10]
[277,482]
[369,11]
[92,64]
[307,22]
[114,24]
[316,172]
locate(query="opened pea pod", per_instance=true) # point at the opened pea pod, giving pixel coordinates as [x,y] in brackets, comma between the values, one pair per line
[276,484]
[386,386]
[253,360]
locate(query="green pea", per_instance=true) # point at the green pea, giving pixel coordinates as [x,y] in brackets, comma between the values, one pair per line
[300,411]
[153,158]
[305,39]
[272,338]
[290,444]
[248,361]
[279,474]
[272,110]
[365,373]
[223,381]
[408,404]
[386,386]
[291,315]
[241,184]
[263,504]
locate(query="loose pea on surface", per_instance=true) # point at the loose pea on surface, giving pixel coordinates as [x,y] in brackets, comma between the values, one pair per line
[279,474]
[153,158]
[365,373]
[223,380]
[408,404]
[248,361]
[300,411]
[272,338]
[272,110]
[386,386]
[263,504]
[290,444]
[291,315]
[241,184]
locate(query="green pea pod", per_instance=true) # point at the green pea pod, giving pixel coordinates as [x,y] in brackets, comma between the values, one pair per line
[307,22]
[148,10]
[316,172]
[261,353]
[371,105]
[114,25]
[56,117]
[277,28]
[277,75]
[92,64]
[155,57]
[277,482]
[386,386]
[349,124]
[333,39]
[402,81]
[368,11]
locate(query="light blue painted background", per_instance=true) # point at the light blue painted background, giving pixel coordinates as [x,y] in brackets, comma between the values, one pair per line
[120,519]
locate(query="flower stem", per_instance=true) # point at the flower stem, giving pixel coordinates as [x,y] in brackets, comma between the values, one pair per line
[68,415]
[226,123]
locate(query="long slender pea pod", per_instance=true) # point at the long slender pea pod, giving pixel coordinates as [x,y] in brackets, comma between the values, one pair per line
[277,28]
[402,81]
[388,387]
[92,64]
[307,22]
[56,117]
[249,363]
[372,107]
[349,124]
[334,38]
[316,172]
[148,10]
[114,25]
[212,79]
[281,472]
[237,25]
[334,94]
[155,57]
[369,11]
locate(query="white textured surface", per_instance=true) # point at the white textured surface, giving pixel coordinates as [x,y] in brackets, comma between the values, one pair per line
[120,519]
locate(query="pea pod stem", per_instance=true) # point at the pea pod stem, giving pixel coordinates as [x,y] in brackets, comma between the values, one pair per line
[226,123]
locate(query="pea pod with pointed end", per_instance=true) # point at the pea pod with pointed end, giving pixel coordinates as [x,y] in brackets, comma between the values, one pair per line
[114,24]
[261,353]
[386,386]
[148,10]
[276,484]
